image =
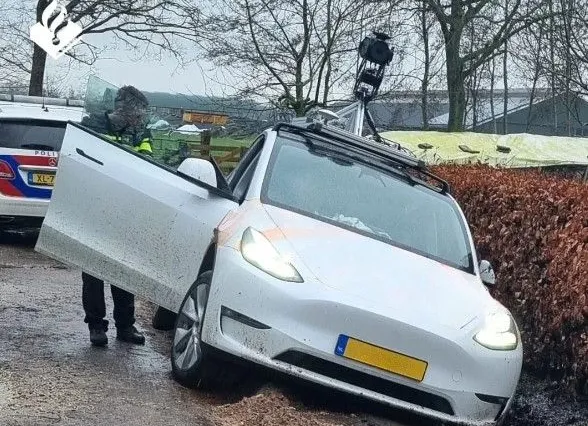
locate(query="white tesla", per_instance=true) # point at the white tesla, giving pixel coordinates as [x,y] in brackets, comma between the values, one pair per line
[323,255]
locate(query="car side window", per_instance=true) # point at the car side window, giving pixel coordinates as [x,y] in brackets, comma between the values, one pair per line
[242,185]
[235,176]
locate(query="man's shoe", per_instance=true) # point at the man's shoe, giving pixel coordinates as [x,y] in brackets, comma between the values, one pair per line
[98,337]
[130,334]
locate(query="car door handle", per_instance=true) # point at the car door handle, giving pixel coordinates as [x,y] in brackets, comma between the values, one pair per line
[83,154]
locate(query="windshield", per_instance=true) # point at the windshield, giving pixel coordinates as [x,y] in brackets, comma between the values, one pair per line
[34,135]
[367,200]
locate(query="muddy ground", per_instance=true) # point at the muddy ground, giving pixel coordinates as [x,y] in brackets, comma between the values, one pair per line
[49,374]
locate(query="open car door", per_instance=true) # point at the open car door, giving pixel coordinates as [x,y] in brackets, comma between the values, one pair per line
[128,220]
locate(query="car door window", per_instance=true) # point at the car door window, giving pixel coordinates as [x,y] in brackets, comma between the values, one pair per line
[235,176]
[242,185]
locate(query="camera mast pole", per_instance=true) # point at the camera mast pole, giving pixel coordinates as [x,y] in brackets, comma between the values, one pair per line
[375,54]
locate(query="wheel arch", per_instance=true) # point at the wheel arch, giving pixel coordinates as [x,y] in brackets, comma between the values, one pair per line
[208,261]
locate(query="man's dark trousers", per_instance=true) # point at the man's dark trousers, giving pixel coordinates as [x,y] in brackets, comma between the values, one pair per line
[95,307]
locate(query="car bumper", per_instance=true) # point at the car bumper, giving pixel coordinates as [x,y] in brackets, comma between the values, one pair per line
[23,207]
[294,328]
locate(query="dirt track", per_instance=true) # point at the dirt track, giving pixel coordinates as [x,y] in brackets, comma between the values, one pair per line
[49,374]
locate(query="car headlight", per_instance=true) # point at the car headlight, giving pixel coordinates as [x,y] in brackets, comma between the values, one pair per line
[257,250]
[499,332]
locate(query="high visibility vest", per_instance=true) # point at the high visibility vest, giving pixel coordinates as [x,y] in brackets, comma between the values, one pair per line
[144,147]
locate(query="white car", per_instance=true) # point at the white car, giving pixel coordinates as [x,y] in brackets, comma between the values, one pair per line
[30,139]
[325,256]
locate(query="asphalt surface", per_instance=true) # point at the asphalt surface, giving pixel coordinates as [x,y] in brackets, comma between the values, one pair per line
[49,373]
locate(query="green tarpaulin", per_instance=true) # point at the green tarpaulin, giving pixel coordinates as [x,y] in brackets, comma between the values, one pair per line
[525,150]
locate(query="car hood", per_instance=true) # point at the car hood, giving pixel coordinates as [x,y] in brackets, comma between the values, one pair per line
[392,281]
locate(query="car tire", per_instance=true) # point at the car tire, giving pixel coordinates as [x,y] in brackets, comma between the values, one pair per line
[195,364]
[164,320]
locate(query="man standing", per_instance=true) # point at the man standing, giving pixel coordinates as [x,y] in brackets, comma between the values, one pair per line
[125,125]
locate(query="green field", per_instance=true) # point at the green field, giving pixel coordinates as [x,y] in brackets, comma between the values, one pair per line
[167,148]
[230,141]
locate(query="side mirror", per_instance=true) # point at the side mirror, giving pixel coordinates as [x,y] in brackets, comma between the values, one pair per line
[487,273]
[199,169]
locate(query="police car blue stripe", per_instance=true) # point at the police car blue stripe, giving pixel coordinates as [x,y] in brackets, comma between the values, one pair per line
[21,185]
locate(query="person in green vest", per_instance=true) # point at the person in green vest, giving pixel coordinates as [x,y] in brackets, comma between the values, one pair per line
[126,124]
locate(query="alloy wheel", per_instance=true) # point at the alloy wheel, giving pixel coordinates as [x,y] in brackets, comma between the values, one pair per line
[187,345]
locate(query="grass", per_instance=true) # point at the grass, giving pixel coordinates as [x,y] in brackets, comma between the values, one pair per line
[230,141]
[171,141]
[166,146]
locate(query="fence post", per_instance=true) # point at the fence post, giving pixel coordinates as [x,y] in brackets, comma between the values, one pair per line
[205,137]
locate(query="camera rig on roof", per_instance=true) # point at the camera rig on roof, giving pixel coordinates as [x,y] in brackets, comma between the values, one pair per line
[375,55]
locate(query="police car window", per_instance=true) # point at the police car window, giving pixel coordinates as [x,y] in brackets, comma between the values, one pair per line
[33,135]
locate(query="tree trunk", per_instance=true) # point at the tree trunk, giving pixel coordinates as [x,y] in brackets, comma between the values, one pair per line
[552,59]
[505,98]
[39,59]
[536,75]
[531,101]
[425,81]
[455,87]
[505,79]
[37,72]
[492,83]
[567,19]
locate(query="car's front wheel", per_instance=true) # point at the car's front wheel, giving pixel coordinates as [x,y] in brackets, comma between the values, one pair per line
[193,363]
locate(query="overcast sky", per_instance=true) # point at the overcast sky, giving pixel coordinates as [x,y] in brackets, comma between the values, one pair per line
[126,67]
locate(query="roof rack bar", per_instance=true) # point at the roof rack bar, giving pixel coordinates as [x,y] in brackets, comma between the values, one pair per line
[357,143]
[354,140]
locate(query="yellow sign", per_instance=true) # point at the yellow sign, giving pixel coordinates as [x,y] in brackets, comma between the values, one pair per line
[196,117]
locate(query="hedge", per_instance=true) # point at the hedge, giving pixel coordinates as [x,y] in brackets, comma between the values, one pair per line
[534,230]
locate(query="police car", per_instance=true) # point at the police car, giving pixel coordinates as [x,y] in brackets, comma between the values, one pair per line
[31,133]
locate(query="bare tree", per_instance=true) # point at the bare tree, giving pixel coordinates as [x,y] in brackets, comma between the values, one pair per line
[572,41]
[505,77]
[528,52]
[453,17]
[161,24]
[426,24]
[13,72]
[555,53]
[294,53]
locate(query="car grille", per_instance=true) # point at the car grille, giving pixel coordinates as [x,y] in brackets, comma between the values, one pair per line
[366,381]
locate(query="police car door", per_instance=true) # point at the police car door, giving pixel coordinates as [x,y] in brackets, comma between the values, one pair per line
[112,214]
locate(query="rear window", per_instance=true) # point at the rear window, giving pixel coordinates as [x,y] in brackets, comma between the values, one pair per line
[31,134]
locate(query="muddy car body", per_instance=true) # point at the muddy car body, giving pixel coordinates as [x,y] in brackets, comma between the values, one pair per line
[322,255]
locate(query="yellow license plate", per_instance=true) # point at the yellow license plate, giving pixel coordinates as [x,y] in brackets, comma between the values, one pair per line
[381,358]
[45,179]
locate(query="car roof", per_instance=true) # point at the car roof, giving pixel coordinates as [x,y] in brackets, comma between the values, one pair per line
[17,110]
